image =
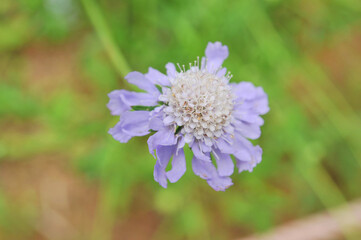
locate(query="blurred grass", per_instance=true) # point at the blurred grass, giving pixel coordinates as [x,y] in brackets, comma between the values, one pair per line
[105,36]
[59,59]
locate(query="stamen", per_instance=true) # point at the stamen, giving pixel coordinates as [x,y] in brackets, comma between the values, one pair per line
[200,102]
[180,69]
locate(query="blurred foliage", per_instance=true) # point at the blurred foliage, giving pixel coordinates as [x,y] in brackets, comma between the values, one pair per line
[60,58]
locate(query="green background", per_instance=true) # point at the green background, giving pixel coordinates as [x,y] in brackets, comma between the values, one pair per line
[63,177]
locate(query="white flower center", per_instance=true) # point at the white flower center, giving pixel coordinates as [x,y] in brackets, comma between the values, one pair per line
[201,103]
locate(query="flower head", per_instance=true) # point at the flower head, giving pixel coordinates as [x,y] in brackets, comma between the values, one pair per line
[195,106]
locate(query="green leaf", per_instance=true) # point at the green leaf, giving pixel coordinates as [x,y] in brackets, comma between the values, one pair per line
[143,108]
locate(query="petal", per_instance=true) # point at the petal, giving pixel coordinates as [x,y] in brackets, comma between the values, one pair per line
[164,153]
[248,116]
[168,120]
[178,167]
[156,120]
[163,137]
[188,138]
[135,98]
[220,183]
[247,156]
[121,101]
[171,70]
[205,148]
[116,104]
[261,102]
[222,72]
[135,123]
[203,63]
[203,169]
[118,133]
[243,148]
[181,142]
[225,166]
[244,90]
[207,170]
[216,54]
[225,145]
[159,175]
[251,97]
[142,82]
[243,155]
[248,130]
[256,157]
[199,152]
[157,77]
[131,124]
[156,123]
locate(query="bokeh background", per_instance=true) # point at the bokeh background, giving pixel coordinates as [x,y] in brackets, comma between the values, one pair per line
[63,177]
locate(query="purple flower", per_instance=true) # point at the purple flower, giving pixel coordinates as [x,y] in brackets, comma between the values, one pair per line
[196,106]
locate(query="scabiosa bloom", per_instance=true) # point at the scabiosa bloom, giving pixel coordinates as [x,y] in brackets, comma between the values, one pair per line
[196,106]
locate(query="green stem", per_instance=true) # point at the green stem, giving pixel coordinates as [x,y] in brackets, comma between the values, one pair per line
[103,32]
[143,108]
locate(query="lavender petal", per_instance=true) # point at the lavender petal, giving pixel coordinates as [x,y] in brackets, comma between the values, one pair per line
[171,70]
[116,104]
[220,183]
[131,124]
[142,82]
[178,167]
[157,77]
[199,153]
[203,169]
[164,153]
[163,137]
[225,166]
[216,54]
